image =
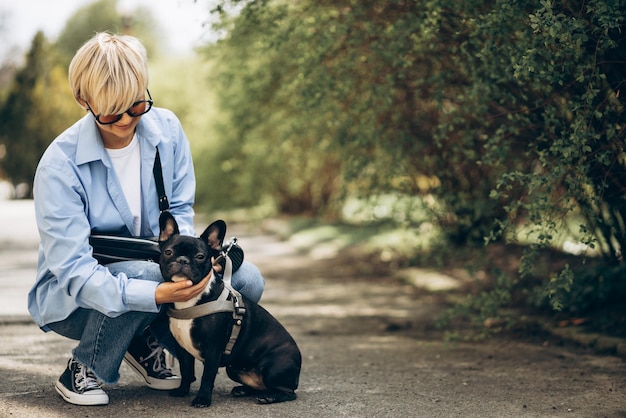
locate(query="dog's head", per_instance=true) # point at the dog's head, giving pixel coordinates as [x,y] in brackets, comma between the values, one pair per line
[184,257]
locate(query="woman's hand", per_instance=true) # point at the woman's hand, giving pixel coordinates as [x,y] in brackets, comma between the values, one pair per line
[217,267]
[182,291]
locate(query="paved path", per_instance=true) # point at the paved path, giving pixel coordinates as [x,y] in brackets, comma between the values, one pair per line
[369,345]
[18,255]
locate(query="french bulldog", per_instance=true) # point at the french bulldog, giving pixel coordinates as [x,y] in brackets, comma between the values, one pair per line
[265,359]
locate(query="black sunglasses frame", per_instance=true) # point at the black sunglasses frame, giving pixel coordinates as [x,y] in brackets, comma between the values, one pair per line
[128,112]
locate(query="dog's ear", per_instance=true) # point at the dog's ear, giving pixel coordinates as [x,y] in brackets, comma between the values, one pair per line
[214,234]
[168,226]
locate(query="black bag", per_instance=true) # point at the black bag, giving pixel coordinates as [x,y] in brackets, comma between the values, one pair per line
[110,249]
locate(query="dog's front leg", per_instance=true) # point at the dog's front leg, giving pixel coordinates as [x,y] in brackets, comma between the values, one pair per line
[205,394]
[187,372]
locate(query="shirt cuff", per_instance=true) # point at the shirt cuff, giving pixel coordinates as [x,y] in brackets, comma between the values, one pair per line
[140,295]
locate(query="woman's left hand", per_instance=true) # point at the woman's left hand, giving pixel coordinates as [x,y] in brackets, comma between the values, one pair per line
[181,291]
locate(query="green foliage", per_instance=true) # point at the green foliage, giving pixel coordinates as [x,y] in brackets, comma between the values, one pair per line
[180,86]
[512,111]
[593,289]
[361,86]
[543,96]
[267,127]
[569,72]
[34,112]
[39,105]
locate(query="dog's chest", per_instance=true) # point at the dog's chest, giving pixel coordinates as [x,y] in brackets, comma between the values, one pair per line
[181,330]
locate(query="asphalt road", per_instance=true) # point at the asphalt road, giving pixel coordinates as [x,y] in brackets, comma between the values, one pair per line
[369,345]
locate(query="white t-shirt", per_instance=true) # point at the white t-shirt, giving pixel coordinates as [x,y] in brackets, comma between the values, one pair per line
[127,165]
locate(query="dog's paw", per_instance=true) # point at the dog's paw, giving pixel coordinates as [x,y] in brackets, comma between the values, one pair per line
[179,393]
[275,397]
[201,402]
[241,391]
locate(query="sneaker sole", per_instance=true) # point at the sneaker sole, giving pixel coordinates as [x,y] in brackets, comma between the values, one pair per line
[91,398]
[151,382]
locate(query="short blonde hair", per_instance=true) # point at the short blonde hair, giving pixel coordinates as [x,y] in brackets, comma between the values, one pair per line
[110,72]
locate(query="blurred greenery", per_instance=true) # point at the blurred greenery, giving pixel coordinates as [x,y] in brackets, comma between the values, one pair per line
[467,126]
[34,112]
[38,103]
[103,15]
[505,117]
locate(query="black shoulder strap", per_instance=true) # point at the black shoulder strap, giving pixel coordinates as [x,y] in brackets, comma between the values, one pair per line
[164,204]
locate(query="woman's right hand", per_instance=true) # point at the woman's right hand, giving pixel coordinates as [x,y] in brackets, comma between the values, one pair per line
[182,291]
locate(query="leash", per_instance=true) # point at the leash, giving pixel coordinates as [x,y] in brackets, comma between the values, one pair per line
[229,300]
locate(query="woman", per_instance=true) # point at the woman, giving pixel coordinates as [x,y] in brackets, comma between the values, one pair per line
[96,177]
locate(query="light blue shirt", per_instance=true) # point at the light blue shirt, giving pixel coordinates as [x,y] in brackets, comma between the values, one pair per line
[77,192]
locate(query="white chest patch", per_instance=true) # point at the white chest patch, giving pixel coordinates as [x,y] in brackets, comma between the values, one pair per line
[181,328]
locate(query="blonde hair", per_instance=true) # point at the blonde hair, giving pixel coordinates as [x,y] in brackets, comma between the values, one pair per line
[110,72]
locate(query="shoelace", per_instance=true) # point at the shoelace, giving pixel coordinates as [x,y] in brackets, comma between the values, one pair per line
[85,379]
[159,364]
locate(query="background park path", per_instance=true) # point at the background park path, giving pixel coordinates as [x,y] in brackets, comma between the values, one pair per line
[369,344]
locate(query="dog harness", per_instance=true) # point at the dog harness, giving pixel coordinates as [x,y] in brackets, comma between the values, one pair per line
[229,300]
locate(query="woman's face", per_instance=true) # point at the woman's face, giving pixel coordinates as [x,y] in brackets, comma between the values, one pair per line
[120,133]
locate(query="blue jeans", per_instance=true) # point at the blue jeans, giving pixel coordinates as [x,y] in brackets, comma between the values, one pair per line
[103,340]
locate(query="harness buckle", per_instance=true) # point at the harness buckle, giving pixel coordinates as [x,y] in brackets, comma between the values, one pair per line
[240,308]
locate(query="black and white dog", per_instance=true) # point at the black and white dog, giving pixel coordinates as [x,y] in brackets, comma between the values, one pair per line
[265,359]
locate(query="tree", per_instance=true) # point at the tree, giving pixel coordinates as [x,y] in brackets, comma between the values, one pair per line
[359,86]
[34,112]
[39,104]
[509,114]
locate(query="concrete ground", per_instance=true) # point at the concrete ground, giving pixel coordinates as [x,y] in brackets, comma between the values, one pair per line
[369,344]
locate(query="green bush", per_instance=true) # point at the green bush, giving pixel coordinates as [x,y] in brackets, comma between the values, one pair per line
[506,114]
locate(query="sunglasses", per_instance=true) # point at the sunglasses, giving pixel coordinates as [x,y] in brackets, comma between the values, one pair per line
[138,108]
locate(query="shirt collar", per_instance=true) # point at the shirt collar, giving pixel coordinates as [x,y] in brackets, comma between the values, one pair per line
[90,147]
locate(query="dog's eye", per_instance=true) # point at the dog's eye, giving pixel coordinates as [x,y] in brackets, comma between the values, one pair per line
[168,252]
[200,256]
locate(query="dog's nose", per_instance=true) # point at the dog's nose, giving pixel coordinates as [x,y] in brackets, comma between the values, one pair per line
[182,260]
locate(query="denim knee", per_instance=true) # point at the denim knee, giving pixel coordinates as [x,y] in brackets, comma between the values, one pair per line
[248,281]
